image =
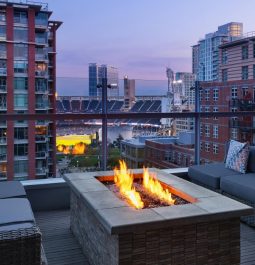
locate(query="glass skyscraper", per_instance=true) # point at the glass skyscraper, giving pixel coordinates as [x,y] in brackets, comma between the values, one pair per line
[96,73]
[205,54]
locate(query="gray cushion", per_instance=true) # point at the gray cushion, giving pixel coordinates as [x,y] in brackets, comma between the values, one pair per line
[241,186]
[11,227]
[210,174]
[15,210]
[11,189]
[251,160]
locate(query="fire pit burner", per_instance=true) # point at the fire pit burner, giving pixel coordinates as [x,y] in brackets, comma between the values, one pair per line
[148,200]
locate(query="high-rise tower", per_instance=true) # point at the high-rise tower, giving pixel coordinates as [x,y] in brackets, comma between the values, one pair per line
[27,85]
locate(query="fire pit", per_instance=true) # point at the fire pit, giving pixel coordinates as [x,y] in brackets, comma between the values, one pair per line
[192,226]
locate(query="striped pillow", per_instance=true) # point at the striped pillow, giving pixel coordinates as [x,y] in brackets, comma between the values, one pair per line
[237,158]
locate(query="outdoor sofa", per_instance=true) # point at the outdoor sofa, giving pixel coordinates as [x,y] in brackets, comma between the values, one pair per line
[231,183]
[20,238]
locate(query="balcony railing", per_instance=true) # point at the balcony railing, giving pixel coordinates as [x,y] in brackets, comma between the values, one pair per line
[3,175]
[40,105]
[3,71]
[41,73]
[41,171]
[40,154]
[3,157]
[3,139]
[3,88]
[242,104]
[40,138]
[242,125]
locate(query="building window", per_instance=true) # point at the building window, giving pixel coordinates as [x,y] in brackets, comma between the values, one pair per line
[20,133]
[254,71]
[2,16]
[234,92]
[207,147]
[224,56]
[20,166]
[224,75]
[207,94]
[245,51]
[207,130]
[3,50]
[245,91]
[40,69]
[41,84]
[215,131]
[20,34]
[20,150]
[2,32]
[20,101]
[254,50]
[201,129]
[215,149]
[234,133]
[20,17]
[20,83]
[200,94]
[245,72]
[20,51]
[20,67]
[179,158]
[41,19]
[201,146]
[41,38]
[215,94]
[215,109]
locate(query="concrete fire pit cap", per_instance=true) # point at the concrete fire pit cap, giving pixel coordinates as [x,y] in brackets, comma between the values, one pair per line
[118,217]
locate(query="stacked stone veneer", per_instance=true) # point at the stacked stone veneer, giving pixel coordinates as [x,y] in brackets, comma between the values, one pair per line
[203,243]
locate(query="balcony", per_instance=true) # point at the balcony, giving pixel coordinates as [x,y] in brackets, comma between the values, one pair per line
[41,57]
[41,154]
[3,157]
[3,89]
[41,171]
[245,126]
[41,74]
[3,71]
[41,106]
[3,106]
[41,90]
[242,104]
[50,197]
[3,176]
[41,138]
[3,140]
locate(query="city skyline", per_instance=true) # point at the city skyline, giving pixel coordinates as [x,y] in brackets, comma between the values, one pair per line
[144,37]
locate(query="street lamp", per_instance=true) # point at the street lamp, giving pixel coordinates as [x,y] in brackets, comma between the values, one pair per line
[104,85]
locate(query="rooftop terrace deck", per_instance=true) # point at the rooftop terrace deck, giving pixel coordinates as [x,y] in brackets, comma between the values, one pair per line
[61,247]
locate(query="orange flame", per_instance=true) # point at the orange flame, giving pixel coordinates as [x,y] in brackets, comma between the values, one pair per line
[77,149]
[124,180]
[154,187]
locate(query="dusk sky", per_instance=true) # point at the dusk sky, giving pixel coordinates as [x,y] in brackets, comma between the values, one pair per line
[140,37]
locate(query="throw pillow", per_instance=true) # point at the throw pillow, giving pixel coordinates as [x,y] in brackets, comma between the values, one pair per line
[237,158]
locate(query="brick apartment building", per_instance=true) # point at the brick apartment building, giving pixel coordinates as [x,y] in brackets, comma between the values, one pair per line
[27,85]
[235,91]
[166,153]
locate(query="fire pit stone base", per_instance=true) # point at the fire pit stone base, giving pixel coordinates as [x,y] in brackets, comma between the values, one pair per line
[204,232]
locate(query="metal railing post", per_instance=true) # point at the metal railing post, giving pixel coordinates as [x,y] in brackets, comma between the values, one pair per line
[197,123]
[104,124]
